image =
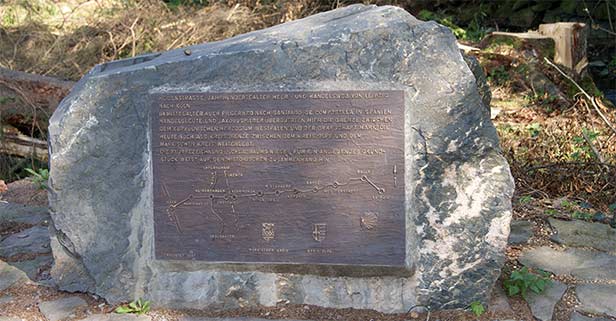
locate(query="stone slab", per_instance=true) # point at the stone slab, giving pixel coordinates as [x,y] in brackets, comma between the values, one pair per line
[597,298]
[34,240]
[61,309]
[584,264]
[5,299]
[18,213]
[575,316]
[499,302]
[521,232]
[117,317]
[186,318]
[10,276]
[458,185]
[542,305]
[584,234]
[33,267]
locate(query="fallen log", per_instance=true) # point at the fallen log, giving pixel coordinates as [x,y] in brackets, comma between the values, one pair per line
[14,143]
[35,90]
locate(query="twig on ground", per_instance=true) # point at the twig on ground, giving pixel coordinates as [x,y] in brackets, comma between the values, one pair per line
[592,101]
[570,164]
[592,147]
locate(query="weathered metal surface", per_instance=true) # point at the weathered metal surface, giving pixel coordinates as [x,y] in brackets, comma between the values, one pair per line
[280,177]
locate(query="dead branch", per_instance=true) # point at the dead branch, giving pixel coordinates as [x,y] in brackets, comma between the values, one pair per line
[590,98]
[592,147]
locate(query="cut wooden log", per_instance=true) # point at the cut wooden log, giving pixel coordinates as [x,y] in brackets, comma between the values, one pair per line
[534,39]
[571,40]
[14,143]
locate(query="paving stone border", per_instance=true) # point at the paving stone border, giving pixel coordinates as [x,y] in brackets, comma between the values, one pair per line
[597,298]
[583,264]
[63,308]
[584,234]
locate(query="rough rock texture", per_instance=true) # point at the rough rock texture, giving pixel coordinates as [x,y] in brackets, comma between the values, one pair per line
[597,298]
[480,79]
[458,184]
[542,305]
[584,234]
[583,264]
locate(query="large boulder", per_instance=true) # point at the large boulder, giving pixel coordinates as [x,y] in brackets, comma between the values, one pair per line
[458,185]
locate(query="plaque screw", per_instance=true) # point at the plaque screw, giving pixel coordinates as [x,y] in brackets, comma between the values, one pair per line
[187,52]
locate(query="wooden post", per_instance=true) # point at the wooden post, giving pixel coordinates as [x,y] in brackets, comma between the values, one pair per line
[570,43]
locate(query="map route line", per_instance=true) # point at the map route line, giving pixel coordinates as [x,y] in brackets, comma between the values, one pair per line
[351,181]
[212,197]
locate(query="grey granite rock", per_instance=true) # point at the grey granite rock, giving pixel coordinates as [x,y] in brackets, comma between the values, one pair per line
[521,232]
[67,267]
[458,184]
[62,308]
[584,234]
[10,276]
[575,316]
[542,305]
[117,317]
[34,240]
[583,264]
[597,298]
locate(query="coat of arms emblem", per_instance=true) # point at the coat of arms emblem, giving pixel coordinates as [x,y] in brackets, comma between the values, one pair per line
[319,231]
[267,231]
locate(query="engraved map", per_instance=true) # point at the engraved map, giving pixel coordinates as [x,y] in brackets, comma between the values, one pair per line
[280,177]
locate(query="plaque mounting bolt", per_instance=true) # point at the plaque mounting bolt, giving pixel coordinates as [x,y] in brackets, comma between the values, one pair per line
[187,52]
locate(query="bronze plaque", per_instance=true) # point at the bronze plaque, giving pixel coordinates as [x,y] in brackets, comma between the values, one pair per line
[280,177]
